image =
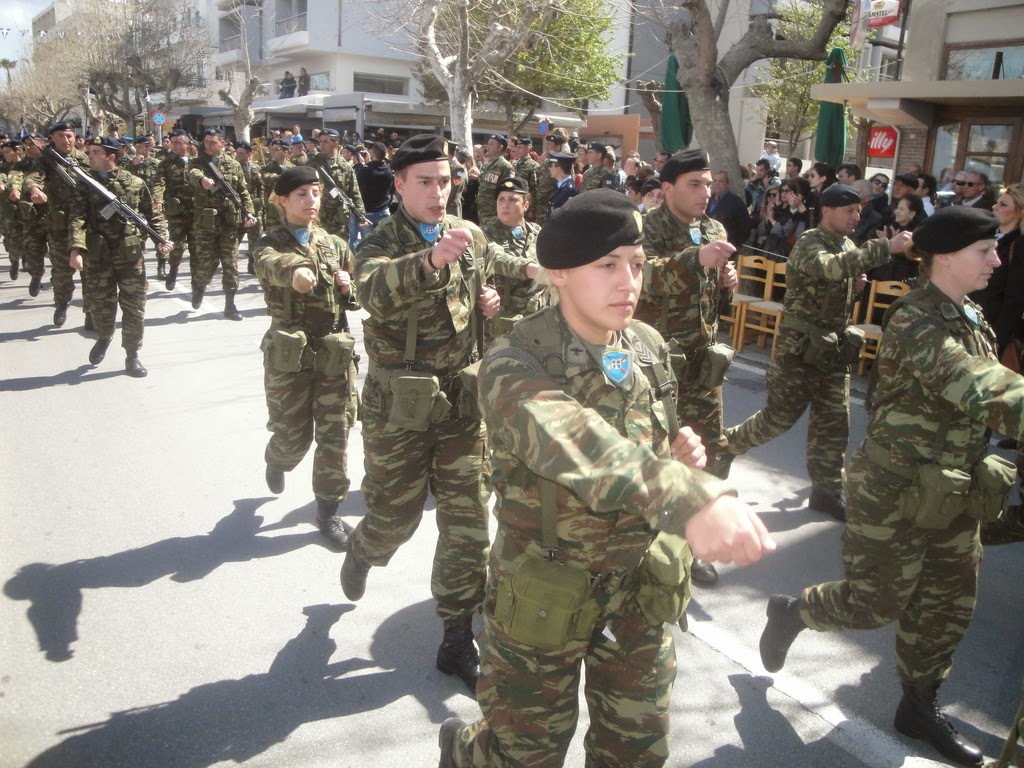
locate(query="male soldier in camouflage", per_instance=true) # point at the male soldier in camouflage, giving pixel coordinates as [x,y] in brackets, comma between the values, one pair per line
[597,176]
[308,361]
[112,250]
[553,142]
[10,184]
[511,230]
[144,165]
[177,195]
[686,277]
[528,168]
[493,170]
[218,220]
[39,182]
[335,212]
[278,150]
[254,181]
[297,151]
[814,348]
[419,276]
[459,179]
[576,392]
[920,481]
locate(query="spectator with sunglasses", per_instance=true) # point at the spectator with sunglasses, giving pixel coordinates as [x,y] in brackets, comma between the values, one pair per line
[974,188]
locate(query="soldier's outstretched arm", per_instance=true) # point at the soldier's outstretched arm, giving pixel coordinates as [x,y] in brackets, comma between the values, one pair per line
[811,256]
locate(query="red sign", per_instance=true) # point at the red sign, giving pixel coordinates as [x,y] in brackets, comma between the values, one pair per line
[883,142]
[883,13]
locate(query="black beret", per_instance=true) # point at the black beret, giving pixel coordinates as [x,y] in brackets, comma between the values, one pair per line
[597,146]
[330,132]
[277,143]
[909,179]
[61,126]
[147,139]
[350,148]
[650,185]
[212,132]
[28,137]
[524,140]
[838,195]
[499,138]
[294,177]
[955,227]
[243,145]
[555,138]
[589,226]
[108,143]
[422,148]
[512,184]
[685,161]
[181,132]
[10,144]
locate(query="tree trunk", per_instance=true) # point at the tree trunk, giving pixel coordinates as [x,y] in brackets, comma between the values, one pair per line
[460,112]
[648,90]
[709,115]
[863,126]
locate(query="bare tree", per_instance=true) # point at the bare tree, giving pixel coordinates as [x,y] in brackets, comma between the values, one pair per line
[247,79]
[648,91]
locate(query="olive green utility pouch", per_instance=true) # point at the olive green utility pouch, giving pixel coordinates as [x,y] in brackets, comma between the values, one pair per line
[417,401]
[27,211]
[937,495]
[822,351]
[853,340]
[545,604]
[174,207]
[714,366]
[664,575]
[132,248]
[335,357]
[286,349]
[994,477]
[469,405]
[58,219]
[207,218]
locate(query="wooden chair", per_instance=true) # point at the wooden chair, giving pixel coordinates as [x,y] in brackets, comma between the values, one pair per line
[755,276]
[883,293]
[765,317]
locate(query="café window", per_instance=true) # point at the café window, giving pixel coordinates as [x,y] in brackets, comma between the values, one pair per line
[989,145]
[995,61]
[393,86]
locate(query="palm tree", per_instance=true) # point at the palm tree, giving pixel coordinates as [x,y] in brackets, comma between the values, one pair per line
[8,64]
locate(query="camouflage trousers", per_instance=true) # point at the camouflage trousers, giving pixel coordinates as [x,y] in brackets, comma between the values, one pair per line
[181,232]
[700,409]
[529,698]
[304,406]
[62,275]
[254,234]
[791,386]
[13,241]
[216,247]
[924,579]
[112,279]
[400,466]
[33,248]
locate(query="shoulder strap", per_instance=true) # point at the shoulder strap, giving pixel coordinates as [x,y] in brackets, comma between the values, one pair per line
[662,385]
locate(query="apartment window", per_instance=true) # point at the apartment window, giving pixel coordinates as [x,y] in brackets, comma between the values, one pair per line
[230,35]
[291,17]
[393,86]
[995,61]
[319,81]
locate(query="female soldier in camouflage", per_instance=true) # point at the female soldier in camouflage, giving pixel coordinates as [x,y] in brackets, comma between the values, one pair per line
[308,361]
[920,482]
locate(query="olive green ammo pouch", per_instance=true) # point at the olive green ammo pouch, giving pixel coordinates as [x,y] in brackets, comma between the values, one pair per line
[58,219]
[207,218]
[715,364]
[132,248]
[27,211]
[665,579]
[286,349]
[822,351]
[936,496]
[469,406]
[994,477]
[853,340]
[416,401]
[546,604]
[335,357]
[173,207]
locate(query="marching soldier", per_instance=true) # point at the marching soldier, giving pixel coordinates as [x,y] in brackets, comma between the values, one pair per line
[494,169]
[553,142]
[341,205]
[297,151]
[144,165]
[459,179]
[597,176]
[277,164]
[10,184]
[528,168]
[38,182]
[177,195]
[253,180]
[219,214]
[112,252]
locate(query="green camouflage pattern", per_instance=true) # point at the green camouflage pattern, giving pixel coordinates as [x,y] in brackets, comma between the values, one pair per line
[608,451]
[115,273]
[334,214]
[598,177]
[519,296]
[937,370]
[530,170]
[545,189]
[307,405]
[254,181]
[820,291]
[270,173]
[147,170]
[459,178]
[10,225]
[1008,529]
[177,195]
[218,245]
[491,173]
[45,228]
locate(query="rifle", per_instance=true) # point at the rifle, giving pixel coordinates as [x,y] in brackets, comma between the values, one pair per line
[338,193]
[222,184]
[115,206]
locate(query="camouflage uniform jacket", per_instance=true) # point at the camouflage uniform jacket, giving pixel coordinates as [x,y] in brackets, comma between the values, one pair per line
[519,296]
[278,254]
[270,172]
[545,188]
[819,283]
[606,448]
[937,369]
[391,283]
[87,220]
[491,173]
[42,174]
[172,178]
[458,170]
[254,180]
[147,170]
[598,177]
[680,297]
[530,170]
[333,209]
[231,170]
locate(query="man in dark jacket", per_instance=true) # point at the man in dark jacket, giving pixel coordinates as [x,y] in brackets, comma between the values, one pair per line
[375,180]
[728,208]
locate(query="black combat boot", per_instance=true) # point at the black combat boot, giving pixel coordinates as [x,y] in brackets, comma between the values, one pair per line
[275,479]
[703,573]
[172,278]
[918,717]
[353,574]
[60,315]
[331,525]
[197,295]
[14,268]
[446,741]
[457,655]
[161,268]
[723,464]
[784,624]
[89,325]
[230,310]
[98,351]
[826,502]
[34,284]
[250,266]
[135,368]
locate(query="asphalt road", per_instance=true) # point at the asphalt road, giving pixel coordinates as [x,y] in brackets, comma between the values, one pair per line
[161,608]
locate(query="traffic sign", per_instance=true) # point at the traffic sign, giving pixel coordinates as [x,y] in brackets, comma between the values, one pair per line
[159,118]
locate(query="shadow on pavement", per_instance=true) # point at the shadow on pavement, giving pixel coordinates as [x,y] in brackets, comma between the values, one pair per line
[79,375]
[55,591]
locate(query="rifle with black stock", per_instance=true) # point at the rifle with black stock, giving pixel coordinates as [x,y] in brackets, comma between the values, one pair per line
[338,193]
[222,184]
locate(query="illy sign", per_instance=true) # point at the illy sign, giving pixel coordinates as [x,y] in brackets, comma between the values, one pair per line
[883,142]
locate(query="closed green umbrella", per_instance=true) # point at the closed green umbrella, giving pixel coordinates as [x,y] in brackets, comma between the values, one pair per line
[676,126]
[830,143]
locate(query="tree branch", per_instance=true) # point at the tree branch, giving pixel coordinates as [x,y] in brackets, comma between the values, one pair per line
[720,21]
